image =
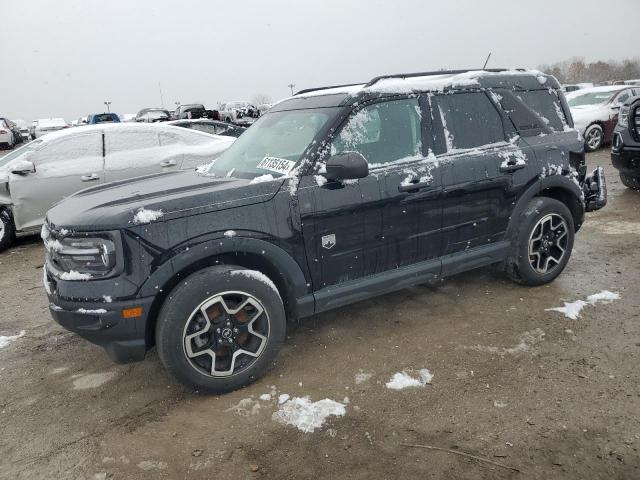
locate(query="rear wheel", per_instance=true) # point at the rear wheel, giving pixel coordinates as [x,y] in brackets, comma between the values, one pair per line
[544,242]
[7,230]
[221,328]
[630,181]
[593,137]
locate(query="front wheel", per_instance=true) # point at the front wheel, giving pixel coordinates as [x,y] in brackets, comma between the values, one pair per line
[221,328]
[7,230]
[630,181]
[593,137]
[544,242]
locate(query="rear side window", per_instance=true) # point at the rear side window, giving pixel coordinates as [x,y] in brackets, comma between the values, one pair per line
[123,141]
[468,120]
[383,132]
[70,148]
[546,104]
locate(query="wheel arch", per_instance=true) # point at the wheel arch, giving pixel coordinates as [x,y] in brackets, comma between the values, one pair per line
[254,254]
[558,187]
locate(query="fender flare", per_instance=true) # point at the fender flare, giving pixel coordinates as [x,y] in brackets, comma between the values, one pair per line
[182,258]
[540,185]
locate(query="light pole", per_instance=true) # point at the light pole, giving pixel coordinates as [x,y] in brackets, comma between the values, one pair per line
[107,104]
[291,85]
[177,104]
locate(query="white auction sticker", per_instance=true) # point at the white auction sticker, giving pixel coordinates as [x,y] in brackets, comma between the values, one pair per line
[275,164]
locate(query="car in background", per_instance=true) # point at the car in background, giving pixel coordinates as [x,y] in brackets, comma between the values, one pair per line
[95,118]
[7,134]
[212,127]
[48,125]
[195,111]
[17,136]
[595,112]
[153,115]
[23,128]
[127,117]
[264,108]
[239,113]
[625,146]
[43,172]
[635,81]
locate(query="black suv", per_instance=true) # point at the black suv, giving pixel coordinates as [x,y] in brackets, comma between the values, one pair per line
[625,146]
[333,196]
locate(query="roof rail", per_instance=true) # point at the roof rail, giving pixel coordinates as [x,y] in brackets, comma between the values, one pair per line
[410,75]
[307,90]
[439,72]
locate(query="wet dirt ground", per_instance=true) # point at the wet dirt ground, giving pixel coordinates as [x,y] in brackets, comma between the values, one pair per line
[512,383]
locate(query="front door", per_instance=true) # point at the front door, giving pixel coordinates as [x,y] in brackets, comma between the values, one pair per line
[62,167]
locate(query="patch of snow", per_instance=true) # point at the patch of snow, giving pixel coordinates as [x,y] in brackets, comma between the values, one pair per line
[499,404]
[45,281]
[73,275]
[148,465]
[6,340]
[362,377]
[527,340]
[64,232]
[107,298]
[245,407]
[512,157]
[230,233]
[256,275]
[283,398]
[92,380]
[572,309]
[320,180]
[403,380]
[265,397]
[306,415]
[96,311]
[262,178]
[144,216]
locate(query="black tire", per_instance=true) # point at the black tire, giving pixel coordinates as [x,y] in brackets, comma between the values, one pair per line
[630,181]
[593,137]
[521,267]
[181,313]
[7,229]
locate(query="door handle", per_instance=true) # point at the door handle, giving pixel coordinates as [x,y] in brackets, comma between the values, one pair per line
[512,168]
[414,187]
[89,178]
[168,163]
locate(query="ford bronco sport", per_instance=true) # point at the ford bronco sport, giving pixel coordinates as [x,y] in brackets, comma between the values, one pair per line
[625,147]
[335,195]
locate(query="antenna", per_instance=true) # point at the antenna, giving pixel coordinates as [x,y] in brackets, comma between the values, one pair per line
[486,61]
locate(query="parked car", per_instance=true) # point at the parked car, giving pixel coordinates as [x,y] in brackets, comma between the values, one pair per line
[96,118]
[334,196]
[153,115]
[595,112]
[41,173]
[7,134]
[211,127]
[635,81]
[32,129]
[48,125]
[195,111]
[240,113]
[24,129]
[127,117]
[625,146]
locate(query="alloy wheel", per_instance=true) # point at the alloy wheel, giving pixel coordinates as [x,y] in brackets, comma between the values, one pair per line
[594,138]
[226,334]
[548,243]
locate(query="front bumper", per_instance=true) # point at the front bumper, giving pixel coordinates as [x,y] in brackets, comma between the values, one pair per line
[627,160]
[124,339]
[595,190]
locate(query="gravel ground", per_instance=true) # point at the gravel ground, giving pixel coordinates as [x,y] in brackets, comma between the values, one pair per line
[512,383]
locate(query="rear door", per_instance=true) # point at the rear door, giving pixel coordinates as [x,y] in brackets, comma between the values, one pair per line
[478,163]
[62,167]
[131,153]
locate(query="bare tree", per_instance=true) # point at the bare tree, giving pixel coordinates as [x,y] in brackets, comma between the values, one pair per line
[260,99]
[576,70]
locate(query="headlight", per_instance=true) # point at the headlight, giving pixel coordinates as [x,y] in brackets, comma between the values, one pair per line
[623,116]
[94,256]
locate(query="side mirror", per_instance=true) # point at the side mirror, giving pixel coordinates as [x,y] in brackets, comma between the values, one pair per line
[23,167]
[347,166]
[615,107]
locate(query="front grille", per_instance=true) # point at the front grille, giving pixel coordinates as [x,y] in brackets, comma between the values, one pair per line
[635,122]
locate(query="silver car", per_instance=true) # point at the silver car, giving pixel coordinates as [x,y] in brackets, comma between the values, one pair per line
[41,173]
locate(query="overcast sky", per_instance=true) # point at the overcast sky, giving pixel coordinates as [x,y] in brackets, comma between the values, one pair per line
[66,57]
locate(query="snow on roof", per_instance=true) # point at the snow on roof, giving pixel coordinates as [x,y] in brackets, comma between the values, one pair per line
[436,82]
[51,122]
[602,88]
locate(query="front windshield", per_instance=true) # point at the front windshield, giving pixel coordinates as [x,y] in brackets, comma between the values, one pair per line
[591,98]
[274,144]
[29,147]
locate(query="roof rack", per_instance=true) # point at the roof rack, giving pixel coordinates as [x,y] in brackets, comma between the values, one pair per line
[307,90]
[410,75]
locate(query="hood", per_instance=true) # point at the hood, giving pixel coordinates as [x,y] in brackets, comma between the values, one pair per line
[585,115]
[113,206]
